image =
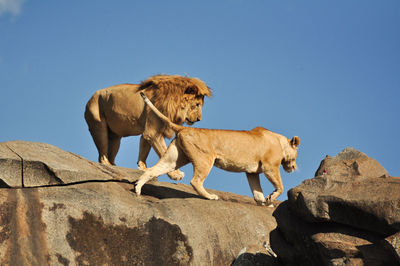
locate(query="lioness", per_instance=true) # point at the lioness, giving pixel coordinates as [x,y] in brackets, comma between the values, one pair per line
[119,111]
[253,152]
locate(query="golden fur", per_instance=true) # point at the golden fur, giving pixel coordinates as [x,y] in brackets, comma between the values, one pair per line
[119,111]
[253,152]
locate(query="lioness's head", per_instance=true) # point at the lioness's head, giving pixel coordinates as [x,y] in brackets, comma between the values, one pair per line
[289,159]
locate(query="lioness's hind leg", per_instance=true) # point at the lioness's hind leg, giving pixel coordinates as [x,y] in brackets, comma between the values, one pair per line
[171,160]
[254,182]
[201,171]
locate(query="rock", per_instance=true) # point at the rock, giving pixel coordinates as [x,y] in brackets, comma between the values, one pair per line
[326,243]
[350,163]
[32,164]
[59,208]
[393,242]
[342,215]
[350,189]
[255,259]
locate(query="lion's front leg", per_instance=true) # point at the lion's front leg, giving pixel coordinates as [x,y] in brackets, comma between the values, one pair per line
[144,149]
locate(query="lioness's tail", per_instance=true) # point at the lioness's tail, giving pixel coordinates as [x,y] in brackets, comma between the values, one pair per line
[171,124]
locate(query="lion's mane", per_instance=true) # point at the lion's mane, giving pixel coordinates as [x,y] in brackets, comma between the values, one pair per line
[167,91]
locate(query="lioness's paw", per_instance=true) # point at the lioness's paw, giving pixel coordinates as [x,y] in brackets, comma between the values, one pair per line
[176,175]
[213,197]
[138,190]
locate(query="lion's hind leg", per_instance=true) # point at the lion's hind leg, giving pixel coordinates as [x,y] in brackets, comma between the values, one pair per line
[254,182]
[99,131]
[114,142]
[173,159]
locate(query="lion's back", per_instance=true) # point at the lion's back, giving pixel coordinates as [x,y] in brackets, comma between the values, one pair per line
[120,106]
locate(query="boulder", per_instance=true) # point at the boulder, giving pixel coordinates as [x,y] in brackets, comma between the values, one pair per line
[326,243]
[348,214]
[33,164]
[350,189]
[57,208]
[393,244]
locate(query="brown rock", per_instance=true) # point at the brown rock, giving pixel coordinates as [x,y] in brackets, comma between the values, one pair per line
[393,244]
[327,243]
[350,163]
[74,215]
[350,189]
[97,223]
[10,167]
[32,164]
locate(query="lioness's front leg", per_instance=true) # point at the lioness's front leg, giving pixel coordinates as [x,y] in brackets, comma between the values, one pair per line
[274,176]
[254,182]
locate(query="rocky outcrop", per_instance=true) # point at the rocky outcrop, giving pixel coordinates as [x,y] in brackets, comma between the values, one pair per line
[57,208]
[348,214]
[32,164]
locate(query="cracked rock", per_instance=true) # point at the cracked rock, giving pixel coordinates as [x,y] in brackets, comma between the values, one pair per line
[60,209]
[32,164]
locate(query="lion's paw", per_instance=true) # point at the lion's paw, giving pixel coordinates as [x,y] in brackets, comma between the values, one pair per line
[268,200]
[104,160]
[260,203]
[141,166]
[176,175]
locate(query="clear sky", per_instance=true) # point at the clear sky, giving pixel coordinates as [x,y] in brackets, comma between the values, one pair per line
[326,71]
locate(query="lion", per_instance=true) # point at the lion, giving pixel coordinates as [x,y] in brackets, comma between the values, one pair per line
[119,111]
[253,152]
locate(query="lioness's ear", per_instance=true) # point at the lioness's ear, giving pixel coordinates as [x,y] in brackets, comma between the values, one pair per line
[295,141]
[191,90]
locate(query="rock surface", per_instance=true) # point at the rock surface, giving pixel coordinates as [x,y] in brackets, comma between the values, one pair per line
[57,208]
[366,196]
[343,215]
[33,164]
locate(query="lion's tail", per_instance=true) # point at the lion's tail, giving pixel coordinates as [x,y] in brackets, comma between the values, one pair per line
[171,124]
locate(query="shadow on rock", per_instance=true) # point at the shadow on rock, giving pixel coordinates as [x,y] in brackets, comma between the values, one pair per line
[164,192]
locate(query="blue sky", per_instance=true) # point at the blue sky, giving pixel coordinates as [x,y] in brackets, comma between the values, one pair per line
[327,71]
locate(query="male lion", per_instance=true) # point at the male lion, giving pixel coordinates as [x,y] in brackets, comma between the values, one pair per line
[119,111]
[253,152]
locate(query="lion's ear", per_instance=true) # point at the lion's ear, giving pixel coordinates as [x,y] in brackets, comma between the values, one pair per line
[191,90]
[295,141]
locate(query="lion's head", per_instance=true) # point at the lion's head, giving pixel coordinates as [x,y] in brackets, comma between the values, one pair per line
[289,160]
[180,98]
